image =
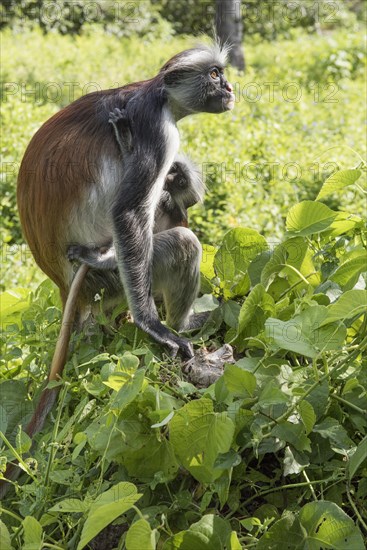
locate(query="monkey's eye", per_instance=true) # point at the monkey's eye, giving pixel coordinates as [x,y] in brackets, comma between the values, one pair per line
[214,74]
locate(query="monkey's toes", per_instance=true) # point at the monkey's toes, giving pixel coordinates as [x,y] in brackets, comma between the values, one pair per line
[74,252]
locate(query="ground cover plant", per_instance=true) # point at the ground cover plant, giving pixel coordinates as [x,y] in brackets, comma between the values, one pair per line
[273,454]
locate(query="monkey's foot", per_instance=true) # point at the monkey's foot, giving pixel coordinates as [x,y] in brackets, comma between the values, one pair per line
[205,368]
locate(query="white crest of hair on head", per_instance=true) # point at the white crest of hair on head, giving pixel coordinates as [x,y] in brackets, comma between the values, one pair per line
[202,55]
[208,55]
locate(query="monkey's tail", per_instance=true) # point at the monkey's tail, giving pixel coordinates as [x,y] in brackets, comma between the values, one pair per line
[48,396]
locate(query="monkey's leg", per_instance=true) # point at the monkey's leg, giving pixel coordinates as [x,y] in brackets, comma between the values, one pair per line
[176,273]
[106,260]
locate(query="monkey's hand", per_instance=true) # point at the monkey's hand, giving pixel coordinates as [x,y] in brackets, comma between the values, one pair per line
[180,346]
[122,127]
[160,333]
[119,115]
[77,253]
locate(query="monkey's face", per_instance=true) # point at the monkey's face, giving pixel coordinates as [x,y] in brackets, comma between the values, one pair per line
[200,90]
[217,93]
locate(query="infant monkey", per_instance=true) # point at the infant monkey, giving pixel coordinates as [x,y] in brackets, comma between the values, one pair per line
[183,188]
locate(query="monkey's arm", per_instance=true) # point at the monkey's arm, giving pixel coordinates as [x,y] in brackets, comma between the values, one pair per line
[133,240]
[122,128]
[97,258]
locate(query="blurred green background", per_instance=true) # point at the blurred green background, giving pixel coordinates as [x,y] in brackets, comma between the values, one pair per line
[300,112]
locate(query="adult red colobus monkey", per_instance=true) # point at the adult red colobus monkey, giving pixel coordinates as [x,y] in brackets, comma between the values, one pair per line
[75,187]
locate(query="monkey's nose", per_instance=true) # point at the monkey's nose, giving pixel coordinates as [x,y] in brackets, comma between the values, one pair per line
[229,87]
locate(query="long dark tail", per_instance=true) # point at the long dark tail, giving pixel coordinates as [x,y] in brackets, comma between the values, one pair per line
[48,396]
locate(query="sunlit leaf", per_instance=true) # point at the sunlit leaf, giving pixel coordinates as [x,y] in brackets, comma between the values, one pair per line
[338,181]
[308,217]
[198,436]
[106,508]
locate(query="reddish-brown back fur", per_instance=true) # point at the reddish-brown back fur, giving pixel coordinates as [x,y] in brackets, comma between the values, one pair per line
[59,164]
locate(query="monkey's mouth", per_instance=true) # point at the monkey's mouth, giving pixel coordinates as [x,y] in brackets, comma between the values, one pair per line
[229,101]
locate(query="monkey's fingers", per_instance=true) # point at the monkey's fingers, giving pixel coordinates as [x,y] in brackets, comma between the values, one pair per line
[75,252]
[118,115]
[182,347]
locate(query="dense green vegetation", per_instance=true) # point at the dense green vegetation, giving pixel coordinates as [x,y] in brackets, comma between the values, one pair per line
[273,454]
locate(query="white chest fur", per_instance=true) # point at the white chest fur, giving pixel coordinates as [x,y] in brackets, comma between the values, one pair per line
[172,139]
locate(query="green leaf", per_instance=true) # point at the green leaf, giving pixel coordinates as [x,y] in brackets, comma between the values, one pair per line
[5,543]
[239,382]
[351,304]
[331,429]
[272,395]
[239,247]
[22,442]
[228,460]
[288,336]
[291,259]
[14,401]
[338,181]
[326,523]
[155,455]
[70,505]
[308,217]
[231,311]
[347,274]
[284,533]
[257,265]
[207,302]
[106,508]
[294,462]
[319,525]
[12,304]
[305,333]
[234,543]
[209,533]
[140,536]
[318,398]
[307,415]
[254,311]
[128,362]
[343,223]
[198,436]
[293,434]
[129,389]
[207,261]
[357,458]
[163,422]
[32,534]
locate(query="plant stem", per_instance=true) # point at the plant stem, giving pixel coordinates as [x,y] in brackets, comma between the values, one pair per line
[355,509]
[296,284]
[11,514]
[315,370]
[288,486]
[326,366]
[51,456]
[310,485]
[348,404]
[17,456]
